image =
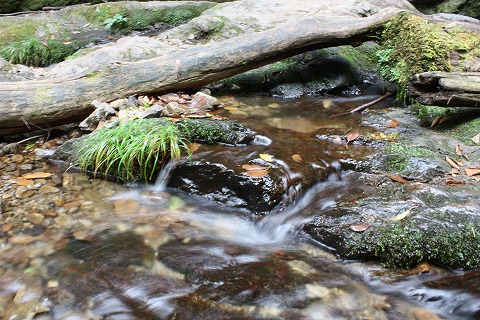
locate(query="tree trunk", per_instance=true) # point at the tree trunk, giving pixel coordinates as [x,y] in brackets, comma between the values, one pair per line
[27,105]
[446,89]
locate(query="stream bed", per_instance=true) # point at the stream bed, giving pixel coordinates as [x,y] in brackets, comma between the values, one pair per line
[73,247]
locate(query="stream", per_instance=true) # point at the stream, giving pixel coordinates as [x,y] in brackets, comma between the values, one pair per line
[136,252]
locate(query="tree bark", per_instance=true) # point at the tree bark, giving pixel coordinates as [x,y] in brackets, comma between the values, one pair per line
[446,89]
[27,105]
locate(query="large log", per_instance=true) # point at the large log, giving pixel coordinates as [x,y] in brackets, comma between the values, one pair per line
[27,105]
[446,89]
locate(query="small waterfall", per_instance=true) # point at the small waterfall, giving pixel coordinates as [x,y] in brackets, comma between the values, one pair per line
[164,176]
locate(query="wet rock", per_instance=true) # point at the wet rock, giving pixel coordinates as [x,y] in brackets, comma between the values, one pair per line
[215,131]
[216,182]
[101,113]
[35,218]
[204,101]
[155,111]
[46,189]
[426,230]
[23,192]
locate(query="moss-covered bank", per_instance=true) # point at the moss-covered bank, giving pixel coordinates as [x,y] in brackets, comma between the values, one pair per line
[411,44]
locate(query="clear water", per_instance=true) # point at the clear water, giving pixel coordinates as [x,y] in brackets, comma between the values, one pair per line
[153,253]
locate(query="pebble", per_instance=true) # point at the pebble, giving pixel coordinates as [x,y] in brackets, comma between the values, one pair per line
[26,167]
[48,189]
[23,192]
[35,218]
[17,158]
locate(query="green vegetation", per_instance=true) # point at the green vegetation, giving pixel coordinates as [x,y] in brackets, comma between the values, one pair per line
[466,131]
[116,23]
[405,243]
[33,52]
[426,114]
[211,131]
[132,151]
[399,155]
[413,45]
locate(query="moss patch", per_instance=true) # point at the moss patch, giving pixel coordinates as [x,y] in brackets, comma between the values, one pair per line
[399,155]
[412,45]
[450,243]
[426,114]
[466,131]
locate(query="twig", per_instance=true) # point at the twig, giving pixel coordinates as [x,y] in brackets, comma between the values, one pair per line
[364,106]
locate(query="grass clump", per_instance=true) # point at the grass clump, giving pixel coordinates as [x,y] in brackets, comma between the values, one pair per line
[133,151]
[33,52]
[411,45]
[406,243]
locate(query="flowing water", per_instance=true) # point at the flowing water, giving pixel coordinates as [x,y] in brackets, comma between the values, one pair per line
[156,253]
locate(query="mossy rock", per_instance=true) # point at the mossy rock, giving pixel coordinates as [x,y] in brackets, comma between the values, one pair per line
[413,162]
[451,240]
[403,226]
[411,45]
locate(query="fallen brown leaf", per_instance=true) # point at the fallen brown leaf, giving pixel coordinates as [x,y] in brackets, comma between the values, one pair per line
[193,147]
[476,139]
[454,171]
[254,167]
[359,227]
[458,150]
[472,171]
[297,158]
[452,163]
[352,136]
[394,177]
[437,120]
[453,182]
[392,124]
[256,173]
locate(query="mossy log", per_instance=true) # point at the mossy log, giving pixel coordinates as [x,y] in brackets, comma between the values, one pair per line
[27,105]
[446,89]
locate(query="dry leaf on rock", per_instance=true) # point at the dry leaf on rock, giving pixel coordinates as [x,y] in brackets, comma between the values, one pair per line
[458,150]
[256,173]
[351,136]
[359,227]
[438,120]
[454,171]
[472,171]
[392,124]
[394,177]
[403,215]
[253,167]
[452,163]
[453,182]
[476,139]
[297,158]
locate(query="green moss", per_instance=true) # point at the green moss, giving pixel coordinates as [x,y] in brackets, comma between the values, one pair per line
[405,243]
[426,114]
[399,155]
[411,45]
[466,131]
[33,52]
[363,57]
[210,131]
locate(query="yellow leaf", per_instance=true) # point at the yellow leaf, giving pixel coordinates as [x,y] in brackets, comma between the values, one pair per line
[265,156]
[403,215]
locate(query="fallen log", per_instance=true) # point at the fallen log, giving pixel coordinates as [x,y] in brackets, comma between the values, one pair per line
[446,89]
[26,105]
